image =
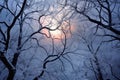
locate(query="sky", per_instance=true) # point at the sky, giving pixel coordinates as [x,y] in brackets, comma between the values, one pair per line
[59,31]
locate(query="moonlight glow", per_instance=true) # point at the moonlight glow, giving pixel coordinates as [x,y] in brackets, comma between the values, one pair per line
[59,27]
[53,24]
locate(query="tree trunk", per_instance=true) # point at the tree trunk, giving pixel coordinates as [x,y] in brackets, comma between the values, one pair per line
[11,74]
[99,74]
[8,65]
[100,77]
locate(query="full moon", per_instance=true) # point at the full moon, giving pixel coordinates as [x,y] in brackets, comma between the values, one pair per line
[53,24]
[56,27]
[56,34]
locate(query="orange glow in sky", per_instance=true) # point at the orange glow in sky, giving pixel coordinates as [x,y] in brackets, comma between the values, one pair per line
[58,32]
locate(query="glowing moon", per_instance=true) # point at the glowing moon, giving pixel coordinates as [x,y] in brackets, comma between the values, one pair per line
[51,23]
[57,33]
